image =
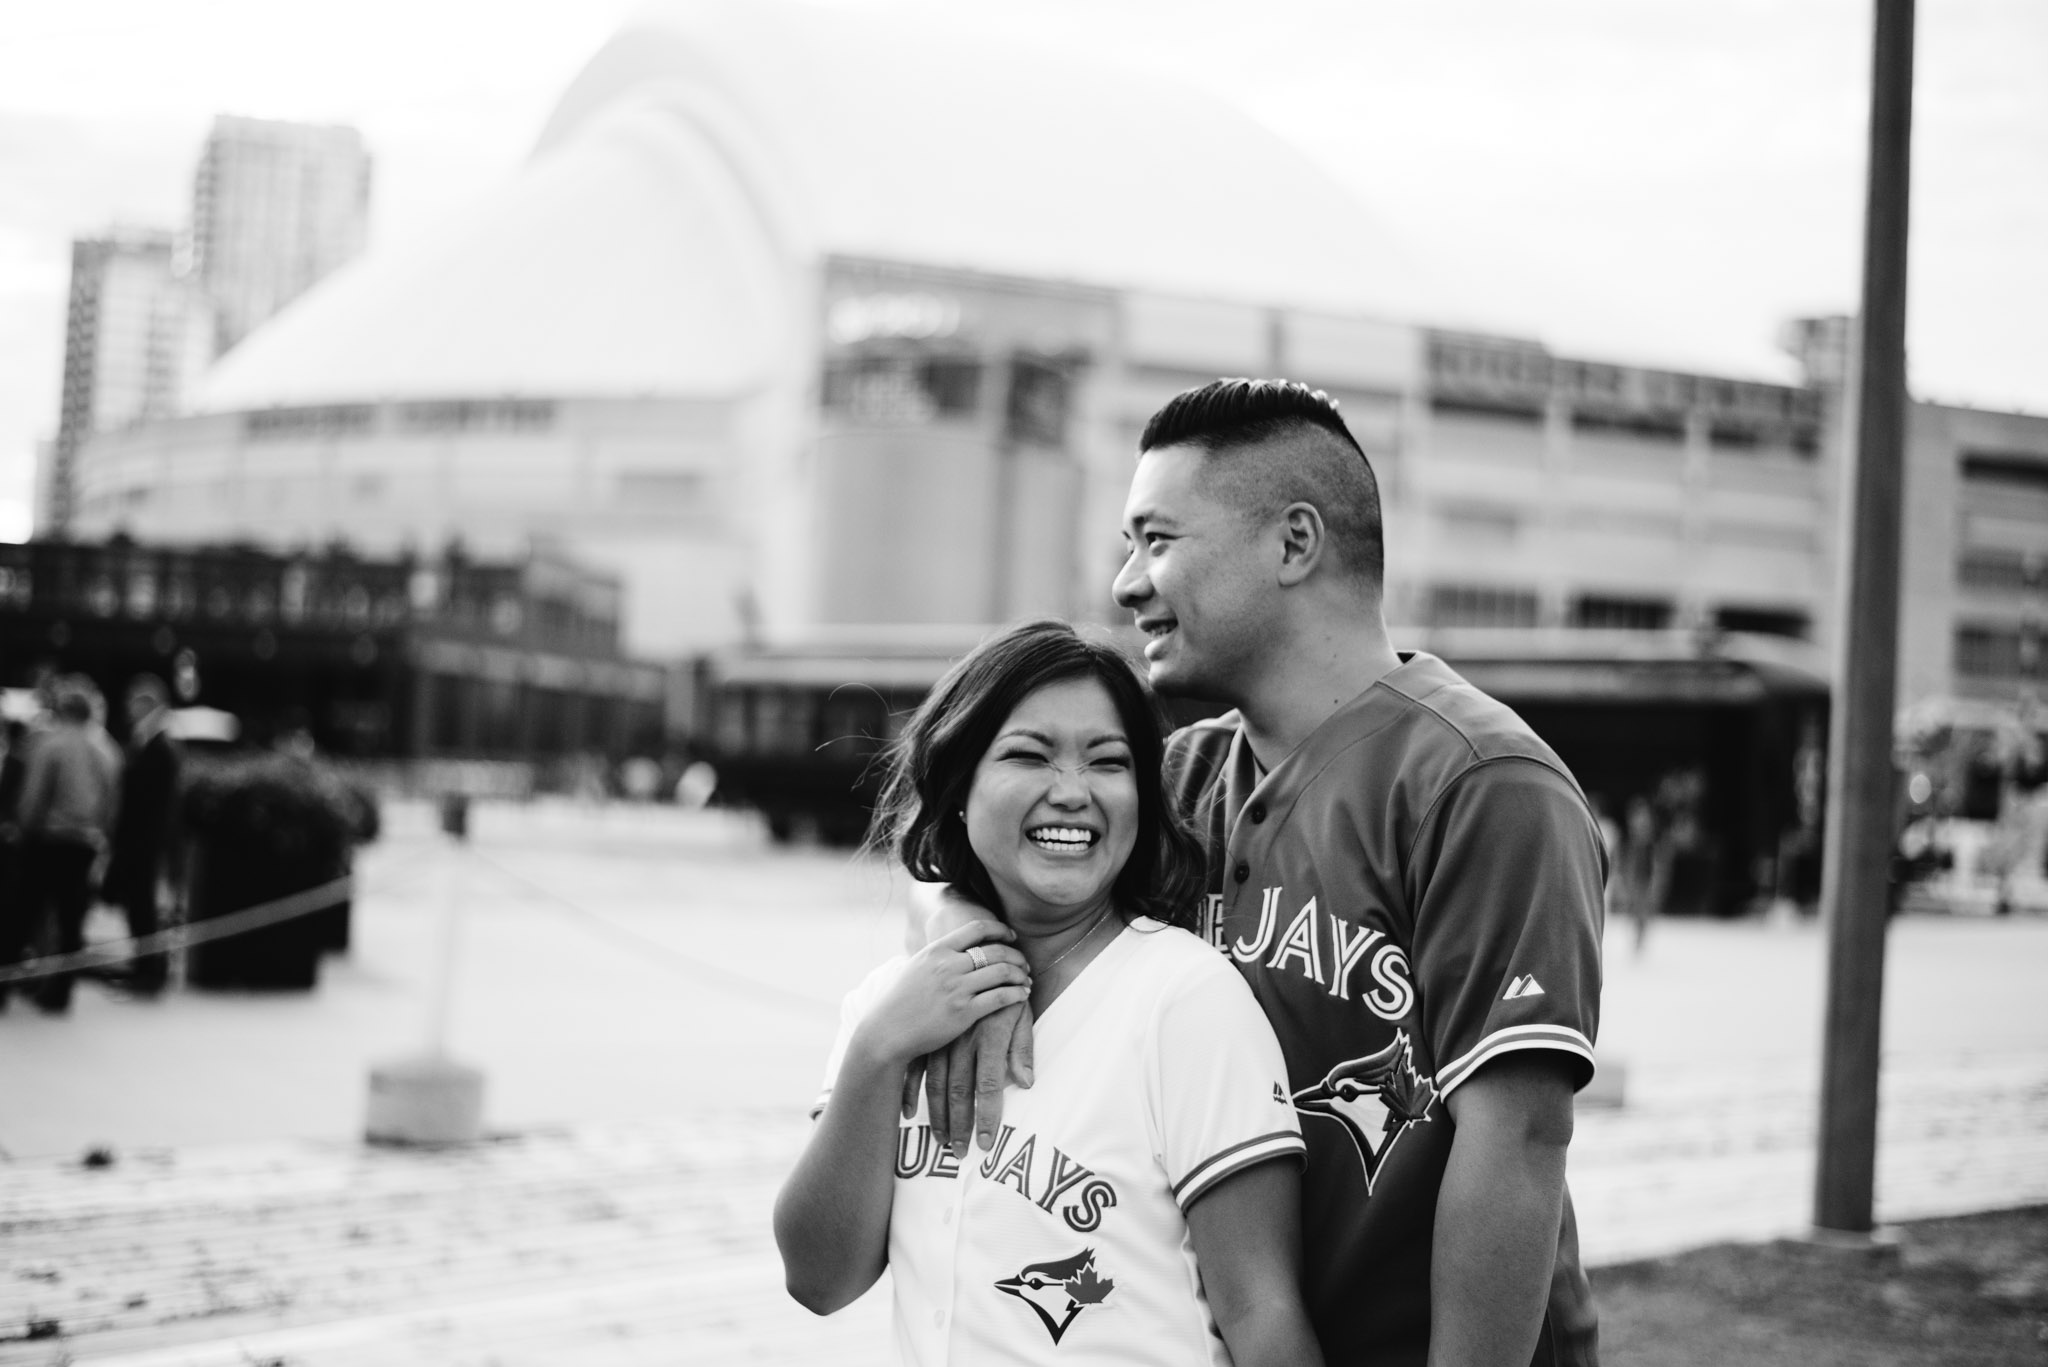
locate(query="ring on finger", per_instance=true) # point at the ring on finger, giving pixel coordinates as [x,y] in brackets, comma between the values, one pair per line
[977,956]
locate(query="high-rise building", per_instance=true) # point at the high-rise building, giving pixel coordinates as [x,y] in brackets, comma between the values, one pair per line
[136,334]
[275,207]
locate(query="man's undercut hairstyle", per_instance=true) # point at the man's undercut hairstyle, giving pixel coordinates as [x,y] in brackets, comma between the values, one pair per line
[1275,442]
[931,768]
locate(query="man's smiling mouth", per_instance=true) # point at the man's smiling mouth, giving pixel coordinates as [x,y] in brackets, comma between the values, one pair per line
[1063,839]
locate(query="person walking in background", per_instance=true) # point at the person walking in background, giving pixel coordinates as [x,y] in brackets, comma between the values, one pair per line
[13,913]
[68,795]
[142,827]
[1641,874]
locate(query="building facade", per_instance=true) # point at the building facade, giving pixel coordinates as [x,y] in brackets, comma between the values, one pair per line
[136,335]
[423,659]
[276,206]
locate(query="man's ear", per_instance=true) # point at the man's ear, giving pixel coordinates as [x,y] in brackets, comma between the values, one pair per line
[1303,542]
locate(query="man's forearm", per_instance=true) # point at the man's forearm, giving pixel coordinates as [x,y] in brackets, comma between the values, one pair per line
[1497,1217]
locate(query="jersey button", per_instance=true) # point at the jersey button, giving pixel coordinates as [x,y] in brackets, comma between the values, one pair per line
[1258,812]
[1242,872]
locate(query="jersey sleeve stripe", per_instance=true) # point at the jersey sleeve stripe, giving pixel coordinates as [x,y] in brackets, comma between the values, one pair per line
[1216,1167]
[1560,1037]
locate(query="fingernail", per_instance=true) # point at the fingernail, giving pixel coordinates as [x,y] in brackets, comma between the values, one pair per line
[1028,1077]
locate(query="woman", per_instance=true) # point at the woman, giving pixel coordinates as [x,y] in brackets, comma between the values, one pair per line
[1141,1202]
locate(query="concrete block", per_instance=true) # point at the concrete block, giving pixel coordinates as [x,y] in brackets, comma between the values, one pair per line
[425,1101]
[1609,1086]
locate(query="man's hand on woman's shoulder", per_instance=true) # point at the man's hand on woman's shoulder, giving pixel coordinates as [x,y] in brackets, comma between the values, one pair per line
[963,1083]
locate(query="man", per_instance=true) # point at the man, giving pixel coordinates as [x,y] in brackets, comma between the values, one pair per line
[14,929]
[65,813]
[1408,877]
[142,830]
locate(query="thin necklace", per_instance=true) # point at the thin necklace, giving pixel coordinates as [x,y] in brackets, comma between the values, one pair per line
[1074,946]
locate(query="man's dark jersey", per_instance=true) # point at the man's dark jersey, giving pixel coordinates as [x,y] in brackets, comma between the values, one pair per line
[1414,891]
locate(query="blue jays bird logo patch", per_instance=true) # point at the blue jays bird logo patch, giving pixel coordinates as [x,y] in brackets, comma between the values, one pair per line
[1376,1099]
[1059,1291]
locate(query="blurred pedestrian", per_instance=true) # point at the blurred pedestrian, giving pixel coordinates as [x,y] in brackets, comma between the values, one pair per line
[142,826]
[1639,875]
[13,913]
[68,795]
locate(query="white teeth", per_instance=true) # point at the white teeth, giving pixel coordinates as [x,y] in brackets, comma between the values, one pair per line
[1063,837]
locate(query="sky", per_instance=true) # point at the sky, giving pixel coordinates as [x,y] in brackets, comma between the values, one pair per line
[1648,181]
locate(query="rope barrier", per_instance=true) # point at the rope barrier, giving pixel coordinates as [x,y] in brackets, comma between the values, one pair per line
[108,953]
[112,953]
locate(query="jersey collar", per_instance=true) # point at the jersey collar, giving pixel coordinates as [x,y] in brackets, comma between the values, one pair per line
[1417,676]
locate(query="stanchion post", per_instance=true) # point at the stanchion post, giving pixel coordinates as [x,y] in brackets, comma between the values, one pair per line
[431,1099]
[1855,892]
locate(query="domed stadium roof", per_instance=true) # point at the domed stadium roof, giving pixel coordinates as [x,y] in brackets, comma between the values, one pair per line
[714,145]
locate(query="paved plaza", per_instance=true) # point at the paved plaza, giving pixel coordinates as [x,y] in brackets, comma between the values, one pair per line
[650,995]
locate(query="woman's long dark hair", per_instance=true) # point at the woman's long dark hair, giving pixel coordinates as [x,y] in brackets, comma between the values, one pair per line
[931,768]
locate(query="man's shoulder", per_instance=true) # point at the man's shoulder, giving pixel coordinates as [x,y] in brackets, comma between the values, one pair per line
[1442,716]
[1197,753]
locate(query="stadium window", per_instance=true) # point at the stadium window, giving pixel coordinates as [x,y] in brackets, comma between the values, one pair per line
[1489,410]
[1728,437]
[2000,653]
[1788,622]
[1992,568]
[1607,612]
[1036,413]
[1477,605]
[1648,426]
[2006,471]
[901,388]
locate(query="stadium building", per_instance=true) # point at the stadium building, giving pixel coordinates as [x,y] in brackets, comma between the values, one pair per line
[830,334]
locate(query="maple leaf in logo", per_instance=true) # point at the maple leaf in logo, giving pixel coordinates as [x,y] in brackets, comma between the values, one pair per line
[1377,1098]
[1406,1095]
[1086,1288]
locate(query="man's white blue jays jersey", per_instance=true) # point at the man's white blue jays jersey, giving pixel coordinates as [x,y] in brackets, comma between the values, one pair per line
[1414,891]
[1066,1242]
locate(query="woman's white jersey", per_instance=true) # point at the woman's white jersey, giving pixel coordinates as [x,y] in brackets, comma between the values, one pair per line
[1157,1076]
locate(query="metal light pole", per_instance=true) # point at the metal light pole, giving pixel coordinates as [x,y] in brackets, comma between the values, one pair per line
[1859,836]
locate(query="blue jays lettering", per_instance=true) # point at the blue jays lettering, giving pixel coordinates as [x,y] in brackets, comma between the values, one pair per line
[1054,1182]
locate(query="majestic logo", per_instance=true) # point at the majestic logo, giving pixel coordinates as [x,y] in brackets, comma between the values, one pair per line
[1375,1099]
[1059,1291]
[1522,987]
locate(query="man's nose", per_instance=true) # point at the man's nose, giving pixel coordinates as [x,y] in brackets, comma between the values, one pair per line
[1130,587]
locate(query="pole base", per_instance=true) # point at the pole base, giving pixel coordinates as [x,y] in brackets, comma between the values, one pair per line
[1881,1244]
[425,1102]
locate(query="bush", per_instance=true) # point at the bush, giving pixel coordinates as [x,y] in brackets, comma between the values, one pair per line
[260,828]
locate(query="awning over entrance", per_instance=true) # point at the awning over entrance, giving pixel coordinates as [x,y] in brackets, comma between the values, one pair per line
[1698,681]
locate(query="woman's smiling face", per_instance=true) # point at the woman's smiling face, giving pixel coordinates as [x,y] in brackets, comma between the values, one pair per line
[1053,810]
